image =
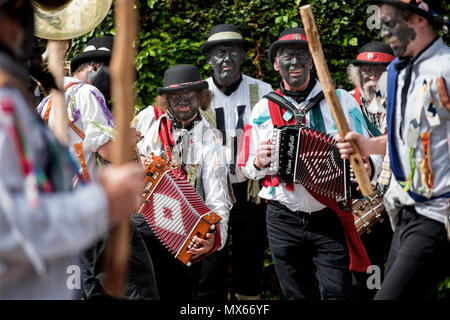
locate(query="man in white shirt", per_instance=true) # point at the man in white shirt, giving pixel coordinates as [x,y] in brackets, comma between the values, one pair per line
[190,142]
[304,228]
[418,122]
[234,95]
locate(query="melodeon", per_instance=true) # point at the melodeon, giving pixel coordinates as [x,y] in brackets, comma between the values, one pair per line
[310,157]
[173,209]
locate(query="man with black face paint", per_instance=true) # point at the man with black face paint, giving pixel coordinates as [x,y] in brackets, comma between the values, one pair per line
[303,231]
[190,142]
[418,122]
[91,130]
[234,95]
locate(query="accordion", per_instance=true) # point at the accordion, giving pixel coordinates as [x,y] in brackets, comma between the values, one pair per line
[173,209]
[310,157]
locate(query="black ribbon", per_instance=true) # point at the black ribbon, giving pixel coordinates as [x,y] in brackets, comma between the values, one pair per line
[407,64]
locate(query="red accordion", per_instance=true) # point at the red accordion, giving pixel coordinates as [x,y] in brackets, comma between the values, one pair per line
[173,209]
[310,157]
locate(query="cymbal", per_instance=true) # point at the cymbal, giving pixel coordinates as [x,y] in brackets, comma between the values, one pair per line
[71,20]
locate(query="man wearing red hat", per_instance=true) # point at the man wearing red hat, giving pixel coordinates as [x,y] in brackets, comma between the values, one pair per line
[418,122]
[302,228]
[364,72]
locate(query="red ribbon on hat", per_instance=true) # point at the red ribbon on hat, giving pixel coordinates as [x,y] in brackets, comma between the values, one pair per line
[375,57]
[294,36]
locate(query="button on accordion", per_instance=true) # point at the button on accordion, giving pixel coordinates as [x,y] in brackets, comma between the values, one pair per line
[173,209]
[310,157]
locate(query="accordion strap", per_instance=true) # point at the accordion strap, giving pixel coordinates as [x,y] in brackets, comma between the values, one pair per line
[285,104]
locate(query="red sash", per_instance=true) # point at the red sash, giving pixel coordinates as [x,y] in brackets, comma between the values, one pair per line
[359,260]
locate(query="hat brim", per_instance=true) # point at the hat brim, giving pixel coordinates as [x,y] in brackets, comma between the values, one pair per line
[414,9]
[206,46]
[190,86]
[360,62]
[83,57]
[278,44]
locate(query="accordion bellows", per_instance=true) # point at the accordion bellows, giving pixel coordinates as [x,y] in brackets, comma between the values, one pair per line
[173,209]
[310,157]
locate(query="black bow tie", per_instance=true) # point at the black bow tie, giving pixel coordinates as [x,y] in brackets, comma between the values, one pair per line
[403,63]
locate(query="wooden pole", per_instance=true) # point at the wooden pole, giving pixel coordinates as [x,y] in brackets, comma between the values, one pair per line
[330,94]
[123,96]
[56,53]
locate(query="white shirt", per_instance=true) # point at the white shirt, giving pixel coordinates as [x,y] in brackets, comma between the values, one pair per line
[94,120]
[431,64]
[299,199]
[230,107]
[205,149]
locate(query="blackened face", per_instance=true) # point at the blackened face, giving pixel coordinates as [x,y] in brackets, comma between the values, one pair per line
[294,64]
[184,105]
[396,30]
[226,61]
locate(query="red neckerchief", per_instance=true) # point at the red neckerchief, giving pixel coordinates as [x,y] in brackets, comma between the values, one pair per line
[359,260]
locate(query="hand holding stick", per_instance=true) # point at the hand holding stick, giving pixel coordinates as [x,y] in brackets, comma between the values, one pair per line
[330,94]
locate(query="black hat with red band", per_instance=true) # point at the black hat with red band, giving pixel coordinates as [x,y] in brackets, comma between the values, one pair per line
[287,37]
[375,53]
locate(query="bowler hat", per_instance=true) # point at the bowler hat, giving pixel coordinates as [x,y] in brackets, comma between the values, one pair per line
[221,34]
[182,76]
[96,49]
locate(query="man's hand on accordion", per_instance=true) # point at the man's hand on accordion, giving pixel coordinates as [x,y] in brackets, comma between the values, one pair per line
[263,154]
[204,246]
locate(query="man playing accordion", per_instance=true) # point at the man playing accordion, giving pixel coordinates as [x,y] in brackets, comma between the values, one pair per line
[175,130]
[304,227]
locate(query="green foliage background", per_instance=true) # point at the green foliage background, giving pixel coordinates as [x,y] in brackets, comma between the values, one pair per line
[171,32]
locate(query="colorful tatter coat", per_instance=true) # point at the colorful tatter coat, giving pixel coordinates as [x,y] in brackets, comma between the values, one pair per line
[91,124]
[419,139]
[43,223]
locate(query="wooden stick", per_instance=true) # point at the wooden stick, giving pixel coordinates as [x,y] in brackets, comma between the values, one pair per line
[123,95]
[330,94]
[56,53]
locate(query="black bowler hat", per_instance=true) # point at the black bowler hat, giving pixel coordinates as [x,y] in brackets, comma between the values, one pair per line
[287,37]
[375,53]
[427,8]
[220,34]
[180,77]
[96,49]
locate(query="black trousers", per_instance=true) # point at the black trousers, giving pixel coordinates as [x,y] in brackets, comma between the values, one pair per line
[303,243]
[247,235]
[174,280]
[377,244]
[141,283]
[419,258]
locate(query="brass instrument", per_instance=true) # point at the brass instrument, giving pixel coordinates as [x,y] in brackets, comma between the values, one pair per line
[68,19]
